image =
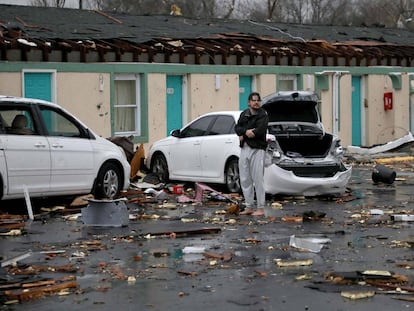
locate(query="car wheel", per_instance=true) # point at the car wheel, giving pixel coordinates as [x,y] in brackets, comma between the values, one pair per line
[232,176]
[159,167]
[108,182]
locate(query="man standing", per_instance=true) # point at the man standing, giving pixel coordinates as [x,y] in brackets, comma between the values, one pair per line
[251,129]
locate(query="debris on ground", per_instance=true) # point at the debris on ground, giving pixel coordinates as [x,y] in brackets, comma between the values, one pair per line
[188,223]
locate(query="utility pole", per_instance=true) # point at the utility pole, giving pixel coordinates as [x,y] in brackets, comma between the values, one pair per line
[80,4]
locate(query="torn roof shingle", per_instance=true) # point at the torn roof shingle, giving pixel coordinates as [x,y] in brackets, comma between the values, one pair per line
[72,24]
[159,34]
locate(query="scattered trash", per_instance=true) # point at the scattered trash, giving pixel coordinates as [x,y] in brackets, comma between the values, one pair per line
[383,174]
[358,294]
[15,259]
[131,280]
[39,289]
[146,185]
[377,273]
[178,189]
[303,277]
[376,212]
[233,209]
[184,232]
[292,219]
[313,216]
[183,221]
[137,161]
[402,217]
[193,249]
[276,205]
[160,195]
[200,188]
[310,244]
[395,160]
[225,256]
[370,277]
[184,199]
[293,263]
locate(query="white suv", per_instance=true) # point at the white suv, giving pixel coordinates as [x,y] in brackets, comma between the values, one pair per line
[49,152]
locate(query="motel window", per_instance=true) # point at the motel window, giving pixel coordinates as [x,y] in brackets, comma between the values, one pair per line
[287,83]
[127,105]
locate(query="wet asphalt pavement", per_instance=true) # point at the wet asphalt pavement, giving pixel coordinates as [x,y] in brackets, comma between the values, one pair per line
[234,264]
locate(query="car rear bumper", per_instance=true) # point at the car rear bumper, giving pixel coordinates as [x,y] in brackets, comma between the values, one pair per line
[280,181]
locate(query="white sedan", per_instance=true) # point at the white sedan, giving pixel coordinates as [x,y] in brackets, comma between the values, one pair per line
[46,151]
[301,158]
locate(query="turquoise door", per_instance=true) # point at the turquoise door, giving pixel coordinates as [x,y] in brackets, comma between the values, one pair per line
[356,111]
[38,85]
[245,88]
[174,103]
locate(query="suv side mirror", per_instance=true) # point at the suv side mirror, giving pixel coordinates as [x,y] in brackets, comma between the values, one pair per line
[175,133]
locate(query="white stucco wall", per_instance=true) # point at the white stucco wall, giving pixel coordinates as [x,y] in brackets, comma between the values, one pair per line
[345,110]
[203,96]
[11,83]
[385,125]
[80,93]
[157,122]
[401,109]
[326,107]
[266,84]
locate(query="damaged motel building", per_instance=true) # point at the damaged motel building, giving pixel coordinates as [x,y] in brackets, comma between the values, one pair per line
[144,76]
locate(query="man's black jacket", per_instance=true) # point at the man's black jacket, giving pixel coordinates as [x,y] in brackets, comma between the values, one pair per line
[258,122]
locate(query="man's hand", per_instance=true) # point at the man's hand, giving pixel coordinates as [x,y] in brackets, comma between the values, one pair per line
[249,133]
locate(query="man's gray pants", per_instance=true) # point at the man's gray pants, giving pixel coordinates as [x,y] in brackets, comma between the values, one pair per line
[251,169]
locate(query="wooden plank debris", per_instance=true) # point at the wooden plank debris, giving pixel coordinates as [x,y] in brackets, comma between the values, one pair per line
[28,293]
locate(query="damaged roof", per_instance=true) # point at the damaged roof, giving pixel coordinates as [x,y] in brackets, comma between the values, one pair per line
[96,36]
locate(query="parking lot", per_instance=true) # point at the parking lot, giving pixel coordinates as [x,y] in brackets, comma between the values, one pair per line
[182,256]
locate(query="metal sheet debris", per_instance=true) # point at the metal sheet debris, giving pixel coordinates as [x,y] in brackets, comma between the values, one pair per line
[112,213]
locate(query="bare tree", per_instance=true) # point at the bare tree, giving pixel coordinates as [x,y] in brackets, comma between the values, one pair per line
[342,14]
[385,13]
[201,8]
[271,7]
[47,3]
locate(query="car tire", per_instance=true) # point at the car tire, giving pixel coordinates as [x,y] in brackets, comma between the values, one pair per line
[159,167]
[232,176]
[108,182]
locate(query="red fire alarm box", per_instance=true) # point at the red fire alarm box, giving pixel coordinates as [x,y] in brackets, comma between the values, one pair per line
[388,101]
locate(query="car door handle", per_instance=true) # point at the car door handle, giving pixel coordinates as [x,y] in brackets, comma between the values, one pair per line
[57,146]
[40,145]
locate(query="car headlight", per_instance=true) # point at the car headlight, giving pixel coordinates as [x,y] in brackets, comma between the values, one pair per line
[338,151]
[276,154]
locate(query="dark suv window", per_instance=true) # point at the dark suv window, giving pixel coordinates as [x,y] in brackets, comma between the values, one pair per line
[222,125]
[197,128]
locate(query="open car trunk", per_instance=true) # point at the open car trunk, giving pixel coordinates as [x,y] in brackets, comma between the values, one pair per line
[303,147]
[301,141]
